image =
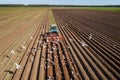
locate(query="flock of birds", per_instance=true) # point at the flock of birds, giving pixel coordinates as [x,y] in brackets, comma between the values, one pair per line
[18,66]
[13,52]
[54,48]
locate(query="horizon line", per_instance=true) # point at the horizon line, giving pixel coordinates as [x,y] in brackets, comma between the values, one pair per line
[64,4]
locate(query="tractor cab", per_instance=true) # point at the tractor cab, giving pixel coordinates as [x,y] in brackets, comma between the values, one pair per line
[53,28]
[52,34]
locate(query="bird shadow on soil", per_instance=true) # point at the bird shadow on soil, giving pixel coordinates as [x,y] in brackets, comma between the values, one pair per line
[9,71]
[7,56]
[43,57]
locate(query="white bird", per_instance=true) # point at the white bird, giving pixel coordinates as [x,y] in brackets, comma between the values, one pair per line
[50,51]
[63,57]
[12,52]
[35,49]
[75,76]
[57,74]
[56,56]
[60,72]
[62,61]
[63,64]
[71,79]
[51,61]
[41,66]
[49,78]
[48,60]
[83,43]
[31,37]
[70,39]
[72,72]
[58,40]
[32,59]
[44,46]
[45,67]
[54,48]
[59,52]
[23,47]
[47,40]
[17,66]
[48,66]
[90,36]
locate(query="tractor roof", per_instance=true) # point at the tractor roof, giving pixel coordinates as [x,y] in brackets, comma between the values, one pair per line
[53,25]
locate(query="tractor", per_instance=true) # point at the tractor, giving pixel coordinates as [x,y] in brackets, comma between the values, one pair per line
[52,34]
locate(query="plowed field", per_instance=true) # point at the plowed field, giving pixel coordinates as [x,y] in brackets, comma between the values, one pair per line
[90,49]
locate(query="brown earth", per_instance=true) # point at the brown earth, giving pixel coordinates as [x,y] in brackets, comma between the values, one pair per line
[100,59]
[70,60]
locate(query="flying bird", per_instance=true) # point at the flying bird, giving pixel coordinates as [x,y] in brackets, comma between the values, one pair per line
[23,47]
[54,48]
[32,59]
[51,51]
[35,49]
[31,37]
[12,52]
[70,39]
[51,61]
[17,66]
[90,36]
[44,46]
[57,74]
[83,43]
